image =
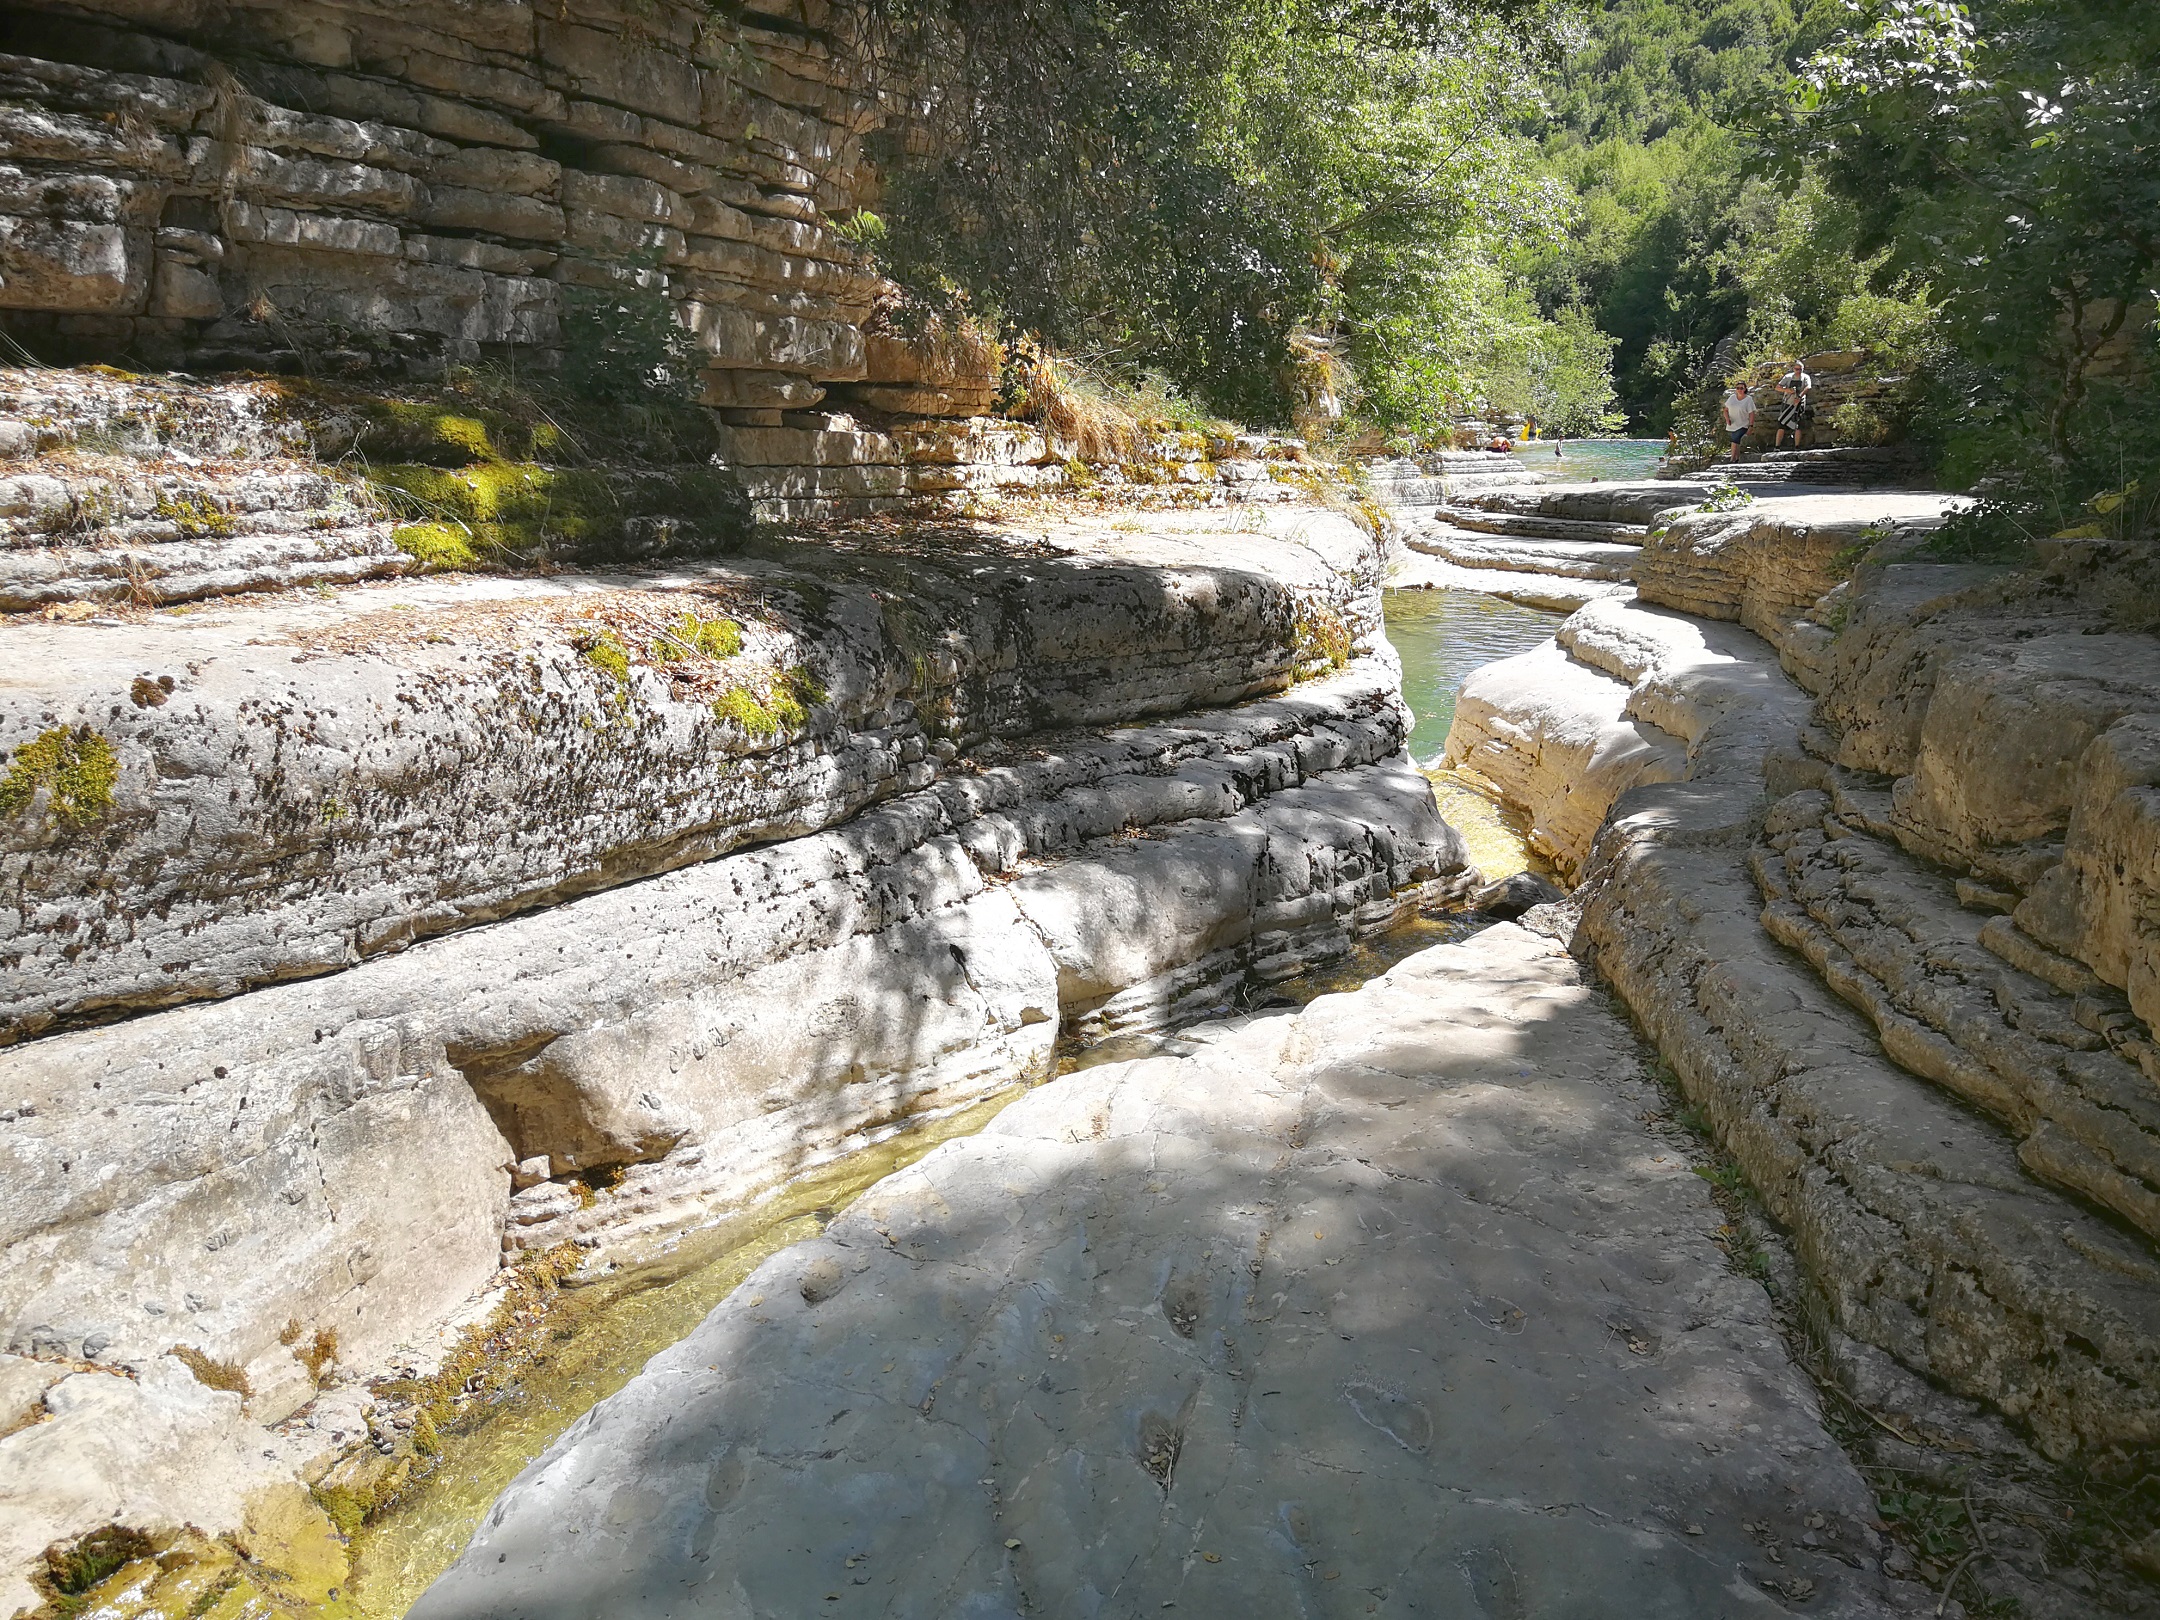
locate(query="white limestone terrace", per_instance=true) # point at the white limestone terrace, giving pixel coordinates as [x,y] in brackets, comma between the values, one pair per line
[1566,729]
[1561,545]
[1856,833]
[1401,1304]
[360,940]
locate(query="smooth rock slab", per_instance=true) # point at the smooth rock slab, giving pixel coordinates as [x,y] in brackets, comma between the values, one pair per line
[1392,1305]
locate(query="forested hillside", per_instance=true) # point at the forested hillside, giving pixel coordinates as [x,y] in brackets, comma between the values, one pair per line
[1259,203]
[1426,212]
[1679,241]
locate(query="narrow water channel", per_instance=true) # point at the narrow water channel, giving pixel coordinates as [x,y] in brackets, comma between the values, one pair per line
[1442,636]
[606,1330]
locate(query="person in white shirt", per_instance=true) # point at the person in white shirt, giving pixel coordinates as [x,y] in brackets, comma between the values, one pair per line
[1739,415]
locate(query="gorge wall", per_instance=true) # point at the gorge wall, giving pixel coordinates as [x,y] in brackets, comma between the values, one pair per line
[1869,866]
[390,191]
[362,939]
[212,185]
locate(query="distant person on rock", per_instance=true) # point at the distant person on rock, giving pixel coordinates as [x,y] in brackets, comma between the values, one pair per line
[1739,415]
[1796,410]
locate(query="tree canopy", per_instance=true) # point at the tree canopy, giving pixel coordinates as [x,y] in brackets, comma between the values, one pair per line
[1189,188]
[2010,152]
[1482,207]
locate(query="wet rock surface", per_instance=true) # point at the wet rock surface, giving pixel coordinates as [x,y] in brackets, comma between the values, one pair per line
[1393,1305]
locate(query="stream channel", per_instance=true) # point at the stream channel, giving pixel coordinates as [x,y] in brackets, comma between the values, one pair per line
[605,1330]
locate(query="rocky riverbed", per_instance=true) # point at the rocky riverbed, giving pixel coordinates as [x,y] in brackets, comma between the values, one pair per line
[1448,1291]
[1407,1302]
[1363,1294]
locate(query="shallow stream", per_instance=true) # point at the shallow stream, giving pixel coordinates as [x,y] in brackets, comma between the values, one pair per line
[605,1331]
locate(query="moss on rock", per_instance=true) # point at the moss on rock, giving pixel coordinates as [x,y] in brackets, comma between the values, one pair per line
[691,635]
[77,769]
[440,548]
[609,656]
[794,695]
[195,517]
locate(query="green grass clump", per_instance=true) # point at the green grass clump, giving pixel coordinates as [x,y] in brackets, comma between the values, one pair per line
[78,770]
[794,696]
[714,638]
[511,508]
[450,436]
[440,548]
[521,511]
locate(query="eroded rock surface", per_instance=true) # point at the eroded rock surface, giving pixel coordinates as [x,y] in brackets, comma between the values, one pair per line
[293,787]
[1836,1002]
[1391,1305]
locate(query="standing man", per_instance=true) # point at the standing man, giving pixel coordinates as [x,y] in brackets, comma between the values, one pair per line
[1739,415]
[1795,409]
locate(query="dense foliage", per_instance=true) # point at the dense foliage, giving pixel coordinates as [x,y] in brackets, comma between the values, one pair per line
[1693,252]
[2010,151]
[1245,196]
[1439,209]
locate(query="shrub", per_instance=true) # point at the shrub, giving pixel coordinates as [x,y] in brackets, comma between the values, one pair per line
[624,343]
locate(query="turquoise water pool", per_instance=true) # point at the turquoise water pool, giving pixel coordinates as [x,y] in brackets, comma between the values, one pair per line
[1583,459]
[1444,635]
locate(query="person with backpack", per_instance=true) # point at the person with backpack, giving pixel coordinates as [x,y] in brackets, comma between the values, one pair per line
[1796,410]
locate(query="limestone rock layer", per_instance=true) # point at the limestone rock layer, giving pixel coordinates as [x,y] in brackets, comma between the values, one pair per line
[1881,917]
[1395,1299]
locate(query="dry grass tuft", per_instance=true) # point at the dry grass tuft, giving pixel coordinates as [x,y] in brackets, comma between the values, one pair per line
[1053,391]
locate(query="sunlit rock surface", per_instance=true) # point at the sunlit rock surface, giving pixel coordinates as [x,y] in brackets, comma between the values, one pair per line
[1396,1301]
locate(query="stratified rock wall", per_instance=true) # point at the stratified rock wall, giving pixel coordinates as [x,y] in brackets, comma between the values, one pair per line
[298,788]
[341,1151]
[617,901]
[1891,939]
[198,183]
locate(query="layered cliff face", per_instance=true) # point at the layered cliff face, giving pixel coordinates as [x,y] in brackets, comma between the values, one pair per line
[1881,908]
[385,191]
[615,894]
[204,184]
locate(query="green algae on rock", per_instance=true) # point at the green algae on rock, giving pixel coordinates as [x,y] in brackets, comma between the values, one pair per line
[76,769]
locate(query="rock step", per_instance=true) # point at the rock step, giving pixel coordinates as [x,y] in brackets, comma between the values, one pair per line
[1638,504]
[47,504]
[1556,735]
[1418,570]
[1921,1223]
[1860,466]
[1914,1218]
[1573,559]
[316,779]
[260,557]
[1539,526]
[2067,1070]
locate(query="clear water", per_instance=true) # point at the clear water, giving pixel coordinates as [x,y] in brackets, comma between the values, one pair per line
[1444,635]
[1581,460]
